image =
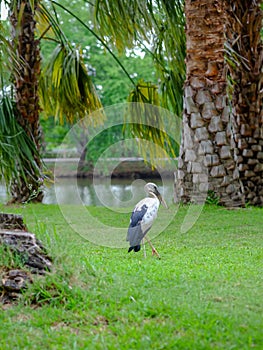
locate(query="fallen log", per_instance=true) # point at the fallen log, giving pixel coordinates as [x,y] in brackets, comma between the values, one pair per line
[30,250]
[12,283]
[12,222]
[26,250]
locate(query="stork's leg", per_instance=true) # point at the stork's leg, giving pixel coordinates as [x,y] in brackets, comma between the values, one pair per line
[154,251]
[144,249]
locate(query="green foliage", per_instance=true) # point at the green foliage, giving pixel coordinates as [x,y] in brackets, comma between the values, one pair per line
[205,291]
[5,53]
[111,17]
[109,69]
[111,83]
[212,198]
[156,24]
[107,73]
[66,89]
[10,259]
[146,122]
[17,150]
[103,141]
[54,132]
[169,52]
[144,92]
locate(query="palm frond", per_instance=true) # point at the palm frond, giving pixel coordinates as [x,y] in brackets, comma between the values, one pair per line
[159,24]
[44,26]
[169,52]
[8,60]
[145,121]
[66,89]
[48,23]
[17,151]
[123,22]
[98,37]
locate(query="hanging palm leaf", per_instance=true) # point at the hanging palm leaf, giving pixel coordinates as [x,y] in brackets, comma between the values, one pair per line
[66,89]
[17,151]
[145,121]
[122,23]
[158,27]
[169,53]
[8,60]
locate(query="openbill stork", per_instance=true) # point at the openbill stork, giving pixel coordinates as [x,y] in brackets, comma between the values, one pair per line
[142,218]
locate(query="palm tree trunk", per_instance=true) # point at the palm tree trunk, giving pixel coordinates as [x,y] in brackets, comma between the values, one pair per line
[26,93]
[243,34]
[206,160]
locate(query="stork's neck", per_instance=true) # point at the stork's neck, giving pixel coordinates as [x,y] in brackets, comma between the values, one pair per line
[153,195]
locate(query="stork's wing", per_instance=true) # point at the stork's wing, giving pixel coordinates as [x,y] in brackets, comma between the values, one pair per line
[141,220]
[138,214]
[135,234]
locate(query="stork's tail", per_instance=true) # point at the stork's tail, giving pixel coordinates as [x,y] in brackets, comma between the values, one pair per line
[136,248]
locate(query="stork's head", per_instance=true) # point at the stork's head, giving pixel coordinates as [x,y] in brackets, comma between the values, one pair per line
[152,190]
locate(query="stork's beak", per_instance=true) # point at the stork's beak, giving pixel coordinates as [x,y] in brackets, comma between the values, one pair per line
[162,201]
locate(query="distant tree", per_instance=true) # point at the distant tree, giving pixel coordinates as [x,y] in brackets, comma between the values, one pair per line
[156,27]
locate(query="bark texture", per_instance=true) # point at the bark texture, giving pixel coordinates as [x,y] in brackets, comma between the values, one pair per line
[12,221]
[26,93]
[21,246]
[246,70]
[29,250]
[206,161]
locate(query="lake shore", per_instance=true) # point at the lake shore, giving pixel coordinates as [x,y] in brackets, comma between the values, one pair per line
[131,168]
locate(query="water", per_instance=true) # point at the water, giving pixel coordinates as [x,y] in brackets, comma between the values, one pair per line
[99,192]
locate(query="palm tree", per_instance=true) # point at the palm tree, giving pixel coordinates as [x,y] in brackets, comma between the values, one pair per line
[245,61]
[65,88]
[26,80]
[206,161]
[16,148]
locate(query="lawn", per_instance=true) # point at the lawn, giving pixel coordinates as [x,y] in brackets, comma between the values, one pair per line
[205,293]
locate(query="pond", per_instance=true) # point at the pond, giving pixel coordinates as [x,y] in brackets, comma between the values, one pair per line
[100,191]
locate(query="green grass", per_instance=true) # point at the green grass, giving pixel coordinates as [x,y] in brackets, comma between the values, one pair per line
[205,292]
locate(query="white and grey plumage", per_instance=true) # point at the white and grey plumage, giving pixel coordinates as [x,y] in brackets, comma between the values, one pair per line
[143,216]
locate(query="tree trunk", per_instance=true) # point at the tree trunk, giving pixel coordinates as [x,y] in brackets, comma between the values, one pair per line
[26,94]
[243,34]
[206,160]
